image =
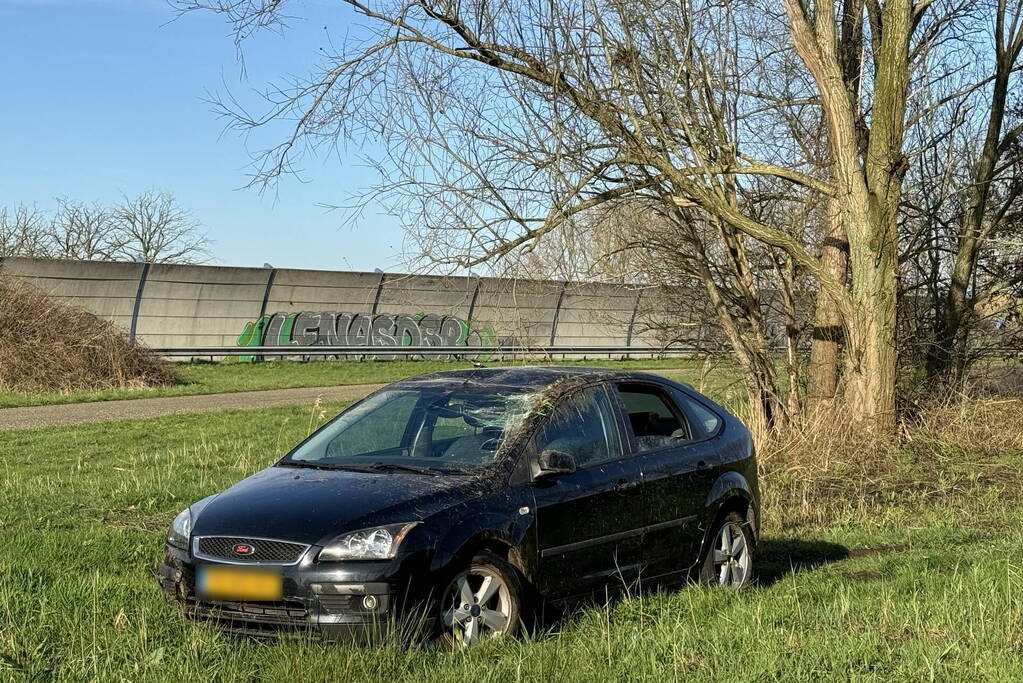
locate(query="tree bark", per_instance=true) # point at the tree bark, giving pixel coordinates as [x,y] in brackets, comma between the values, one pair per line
[870,190]
[825,349]
[870,367]
[787,277]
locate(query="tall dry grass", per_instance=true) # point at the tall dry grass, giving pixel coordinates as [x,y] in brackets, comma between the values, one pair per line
[825,470]
[49,345]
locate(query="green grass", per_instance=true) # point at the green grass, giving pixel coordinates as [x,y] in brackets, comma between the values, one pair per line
[214,378]
[918,579]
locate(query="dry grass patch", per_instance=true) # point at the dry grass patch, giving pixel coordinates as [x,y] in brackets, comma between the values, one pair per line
[985,425]
[49,345]
[828,471]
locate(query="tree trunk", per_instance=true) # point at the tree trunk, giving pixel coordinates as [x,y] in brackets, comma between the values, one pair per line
[825,349]
[766,405]
[947,358]
[870,337]
[870,189]
[786,271]
[761,378]
[870,372]
[767,411]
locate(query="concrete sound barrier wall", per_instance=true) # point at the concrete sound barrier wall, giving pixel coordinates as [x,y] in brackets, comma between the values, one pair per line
[183,306]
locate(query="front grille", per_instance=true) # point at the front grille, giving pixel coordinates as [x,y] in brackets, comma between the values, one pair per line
[285,613]
[223,547]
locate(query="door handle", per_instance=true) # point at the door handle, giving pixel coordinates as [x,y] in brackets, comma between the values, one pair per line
[626,487]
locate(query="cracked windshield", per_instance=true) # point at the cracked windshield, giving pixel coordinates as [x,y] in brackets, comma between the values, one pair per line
[428,429]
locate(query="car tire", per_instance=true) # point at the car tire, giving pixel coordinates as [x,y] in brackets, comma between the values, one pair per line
[484,600]
[728,556]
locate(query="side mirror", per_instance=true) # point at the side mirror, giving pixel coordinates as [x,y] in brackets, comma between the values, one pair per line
[680,434]
[555,462]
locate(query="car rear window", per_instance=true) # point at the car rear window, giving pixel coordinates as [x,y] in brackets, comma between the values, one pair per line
[705,422]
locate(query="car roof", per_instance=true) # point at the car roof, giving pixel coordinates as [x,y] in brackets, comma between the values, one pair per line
[523,377]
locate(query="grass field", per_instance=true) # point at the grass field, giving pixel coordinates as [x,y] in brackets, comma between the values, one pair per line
[905,567]
[214,378]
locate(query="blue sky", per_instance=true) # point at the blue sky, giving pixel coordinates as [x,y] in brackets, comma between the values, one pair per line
[104,97]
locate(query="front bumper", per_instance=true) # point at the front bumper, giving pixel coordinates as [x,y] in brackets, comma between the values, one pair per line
[358,600]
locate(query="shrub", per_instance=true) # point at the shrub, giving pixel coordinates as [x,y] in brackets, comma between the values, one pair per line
[49,345]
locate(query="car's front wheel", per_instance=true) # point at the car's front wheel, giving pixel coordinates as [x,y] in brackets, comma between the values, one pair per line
[482,601]
[728,559]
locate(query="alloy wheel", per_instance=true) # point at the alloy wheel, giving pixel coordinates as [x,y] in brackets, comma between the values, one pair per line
[731,556]
[478,606]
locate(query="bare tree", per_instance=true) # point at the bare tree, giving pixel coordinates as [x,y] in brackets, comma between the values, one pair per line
[695,285]
[591,247]
[83,231]
[152,227]
[505,120]
[989,199]
[23,232]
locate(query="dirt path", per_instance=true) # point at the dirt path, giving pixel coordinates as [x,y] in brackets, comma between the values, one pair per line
[103,411]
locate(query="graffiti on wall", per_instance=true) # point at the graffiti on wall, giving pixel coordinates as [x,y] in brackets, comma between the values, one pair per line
[332,328]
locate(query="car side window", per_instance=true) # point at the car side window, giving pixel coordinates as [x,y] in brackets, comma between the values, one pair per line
[654,421]
[705,423]
[582,427]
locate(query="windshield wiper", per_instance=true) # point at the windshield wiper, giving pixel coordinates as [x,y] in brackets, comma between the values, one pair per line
[374,467]
[311,464]
[417,469]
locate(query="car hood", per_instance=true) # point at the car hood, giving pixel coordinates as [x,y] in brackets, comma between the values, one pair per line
[310,506]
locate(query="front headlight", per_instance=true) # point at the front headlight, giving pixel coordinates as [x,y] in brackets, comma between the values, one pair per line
[181,528]
[378,543]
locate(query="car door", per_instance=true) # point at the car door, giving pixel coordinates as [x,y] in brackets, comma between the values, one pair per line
[588,522]
[674,459]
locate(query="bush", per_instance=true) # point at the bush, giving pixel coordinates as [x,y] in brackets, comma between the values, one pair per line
[49,345]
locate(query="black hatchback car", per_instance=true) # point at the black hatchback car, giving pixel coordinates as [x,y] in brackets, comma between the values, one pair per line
[466,498]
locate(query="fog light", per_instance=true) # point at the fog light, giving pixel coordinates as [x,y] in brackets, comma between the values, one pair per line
[370,602]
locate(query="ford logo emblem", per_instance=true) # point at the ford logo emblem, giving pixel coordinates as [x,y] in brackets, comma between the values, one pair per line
[244,549]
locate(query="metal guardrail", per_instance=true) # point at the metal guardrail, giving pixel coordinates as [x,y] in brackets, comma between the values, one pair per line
[469,351]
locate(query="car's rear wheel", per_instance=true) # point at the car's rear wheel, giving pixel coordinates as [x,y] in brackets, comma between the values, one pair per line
[480,602]
[728,559]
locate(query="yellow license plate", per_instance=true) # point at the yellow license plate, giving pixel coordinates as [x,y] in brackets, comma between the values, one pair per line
[229,583]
